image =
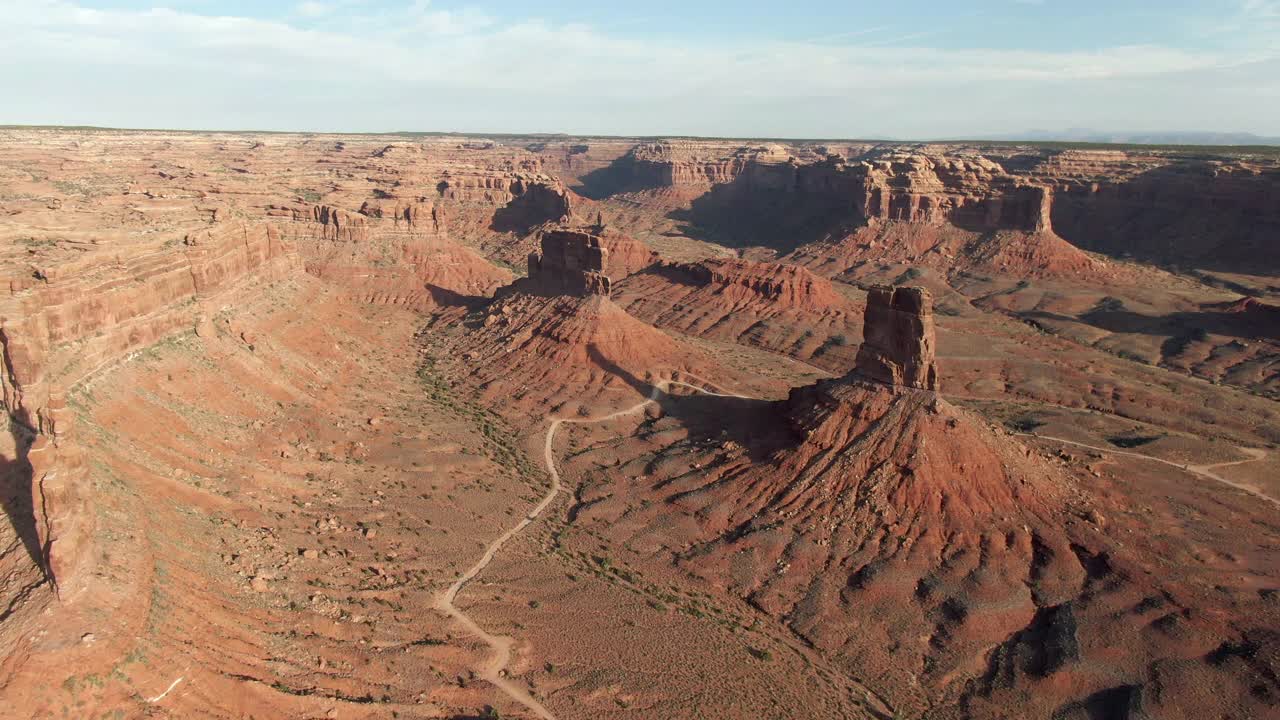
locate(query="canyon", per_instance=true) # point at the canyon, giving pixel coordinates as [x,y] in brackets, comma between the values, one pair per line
[308,425]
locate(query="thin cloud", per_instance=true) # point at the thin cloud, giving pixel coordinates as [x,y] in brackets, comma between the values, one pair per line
[402,60]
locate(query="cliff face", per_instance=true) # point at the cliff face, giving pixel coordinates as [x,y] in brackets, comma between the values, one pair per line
[971,192]
[332,224]
[678,164]
[393,252]
[419,215]
[627,255]
[569,263]
[1163,208]
[1217,214]
[74,315]
[898,339]
[533,203]
[967,190]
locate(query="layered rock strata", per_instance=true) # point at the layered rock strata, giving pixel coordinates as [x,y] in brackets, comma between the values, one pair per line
[898,338]
[64,321]
[393,252]
[781,308]
[569,263]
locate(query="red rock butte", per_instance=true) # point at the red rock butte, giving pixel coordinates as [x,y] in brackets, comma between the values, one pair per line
[898,348]
[571,262]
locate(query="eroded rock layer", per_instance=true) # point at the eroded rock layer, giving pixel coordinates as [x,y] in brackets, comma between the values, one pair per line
[69,318]
[898,339]
[227,475]
[570,263]
[401,254]
[783,308]
[931,551]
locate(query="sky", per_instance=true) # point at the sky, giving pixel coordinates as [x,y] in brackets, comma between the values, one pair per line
[917,69]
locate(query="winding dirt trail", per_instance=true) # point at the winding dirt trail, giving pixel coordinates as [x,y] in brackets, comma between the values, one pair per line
[1204,471]
[494,669]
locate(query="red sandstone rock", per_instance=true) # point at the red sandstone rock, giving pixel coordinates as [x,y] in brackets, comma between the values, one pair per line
[424,216]
[859,513]
[898,534]
[570,263]
[395,253]
[898,341]
[584,349]
[337,225]
[90,311]
[894,530]
[783,308]
[627,255]
[556,337]
[535,202]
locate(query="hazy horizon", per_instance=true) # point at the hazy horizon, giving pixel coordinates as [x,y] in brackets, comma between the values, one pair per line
[817,70]
[1069,136]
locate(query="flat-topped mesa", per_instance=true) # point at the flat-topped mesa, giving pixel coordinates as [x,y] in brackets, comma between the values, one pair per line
[572,262]
[898,344]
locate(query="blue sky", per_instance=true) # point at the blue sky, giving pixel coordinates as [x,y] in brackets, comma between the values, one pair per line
[749,68]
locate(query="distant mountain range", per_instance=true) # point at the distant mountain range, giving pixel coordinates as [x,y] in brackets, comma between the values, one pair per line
[1187,137]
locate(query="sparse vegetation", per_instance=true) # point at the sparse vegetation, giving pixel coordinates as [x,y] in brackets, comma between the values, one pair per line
[1132,441]
[1025,424]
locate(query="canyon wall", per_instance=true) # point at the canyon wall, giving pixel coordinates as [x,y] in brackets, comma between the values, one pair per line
[1161,207]
[71,316]
[392,252]
[1215,214]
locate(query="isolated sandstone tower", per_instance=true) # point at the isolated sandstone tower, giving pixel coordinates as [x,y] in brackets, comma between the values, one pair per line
[571,262]
[898,339]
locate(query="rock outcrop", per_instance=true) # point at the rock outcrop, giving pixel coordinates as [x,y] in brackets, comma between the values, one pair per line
[333,224]
[393,252]
[1216,213]
[1163,207]
[876,481]
[781,308]
[898,338]
[556,337]
[676,164]
[1263,318]
[534,203]
[969,191]
[569,263]
[627,255]
[786,285]
[417,215]
[69,318]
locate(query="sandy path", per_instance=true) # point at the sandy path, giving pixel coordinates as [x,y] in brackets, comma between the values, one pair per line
[494,669]
[1204,471]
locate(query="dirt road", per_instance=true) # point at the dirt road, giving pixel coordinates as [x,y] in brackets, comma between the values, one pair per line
[494,669]
[1204,471]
